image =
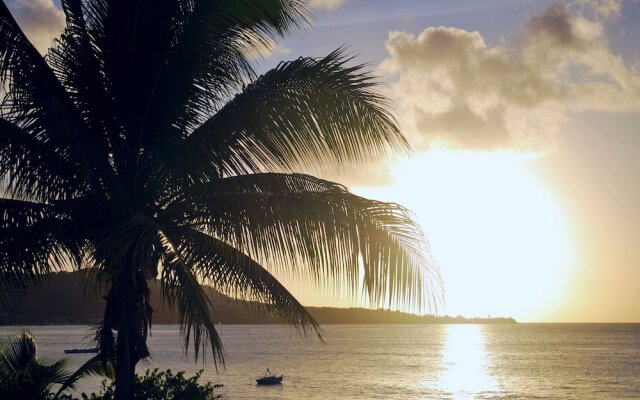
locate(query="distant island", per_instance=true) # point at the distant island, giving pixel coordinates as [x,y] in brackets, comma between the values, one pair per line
[60,300]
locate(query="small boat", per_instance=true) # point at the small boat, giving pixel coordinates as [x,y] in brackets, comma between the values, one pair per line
[269,379]
[75,351]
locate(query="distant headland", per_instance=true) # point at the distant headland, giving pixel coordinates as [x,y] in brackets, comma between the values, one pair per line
[60,300]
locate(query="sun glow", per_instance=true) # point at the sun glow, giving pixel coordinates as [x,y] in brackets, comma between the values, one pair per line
[497,232]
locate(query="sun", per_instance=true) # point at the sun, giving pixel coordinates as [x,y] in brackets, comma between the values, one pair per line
[497,232]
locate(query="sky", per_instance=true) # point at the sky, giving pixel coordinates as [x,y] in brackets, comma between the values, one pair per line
[523,117]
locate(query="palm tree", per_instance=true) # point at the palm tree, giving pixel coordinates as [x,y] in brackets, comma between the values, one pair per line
[24,376]
[144,145]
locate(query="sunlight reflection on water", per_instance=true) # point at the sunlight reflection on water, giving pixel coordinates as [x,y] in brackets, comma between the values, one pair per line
[465,364]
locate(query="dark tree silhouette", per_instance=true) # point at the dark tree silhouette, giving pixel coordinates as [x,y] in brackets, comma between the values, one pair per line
[144,145]
[24,376]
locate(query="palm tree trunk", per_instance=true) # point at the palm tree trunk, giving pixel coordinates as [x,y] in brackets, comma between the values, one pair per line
[131,297]
[125,368]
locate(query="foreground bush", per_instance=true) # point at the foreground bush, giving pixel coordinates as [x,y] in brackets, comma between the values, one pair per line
[161,385]
[25,376]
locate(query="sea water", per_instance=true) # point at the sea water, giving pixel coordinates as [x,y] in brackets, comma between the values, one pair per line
[523,361]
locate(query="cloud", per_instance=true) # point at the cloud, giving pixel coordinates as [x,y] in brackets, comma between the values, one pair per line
[326,4]
[601,8]
[40,20]
[451,87]
[460,124]
[557,26]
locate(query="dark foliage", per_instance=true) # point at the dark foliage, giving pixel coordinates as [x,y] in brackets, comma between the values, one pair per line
[25,376]
[161,385]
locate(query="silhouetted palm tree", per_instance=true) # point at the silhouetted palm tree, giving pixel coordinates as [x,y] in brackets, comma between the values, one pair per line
[24,376]
[144,145]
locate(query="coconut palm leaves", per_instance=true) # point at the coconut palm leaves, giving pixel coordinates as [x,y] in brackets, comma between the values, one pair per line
[145,146]
[22,375]
[287,119]
[25,376]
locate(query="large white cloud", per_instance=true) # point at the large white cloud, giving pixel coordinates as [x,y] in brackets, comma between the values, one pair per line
[41,21]
[451,87]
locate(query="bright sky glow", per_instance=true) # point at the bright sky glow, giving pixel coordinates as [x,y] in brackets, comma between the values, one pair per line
[497,232]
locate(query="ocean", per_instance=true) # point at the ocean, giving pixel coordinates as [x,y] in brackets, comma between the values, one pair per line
[522,361]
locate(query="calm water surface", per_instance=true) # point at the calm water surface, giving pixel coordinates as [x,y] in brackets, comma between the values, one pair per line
[525,361]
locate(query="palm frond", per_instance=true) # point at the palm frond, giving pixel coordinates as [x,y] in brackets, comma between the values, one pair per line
[74,61]
[17,351]
[209,60]
[231,271]
[181,289]
[93,367]
[35,240]
[125,244]
[49,371]
[30,376]
[318,228]
[306,113]
[35,169]
[36,101]
[131,39]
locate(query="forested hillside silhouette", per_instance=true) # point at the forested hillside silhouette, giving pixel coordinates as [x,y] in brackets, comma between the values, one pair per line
[60,300]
